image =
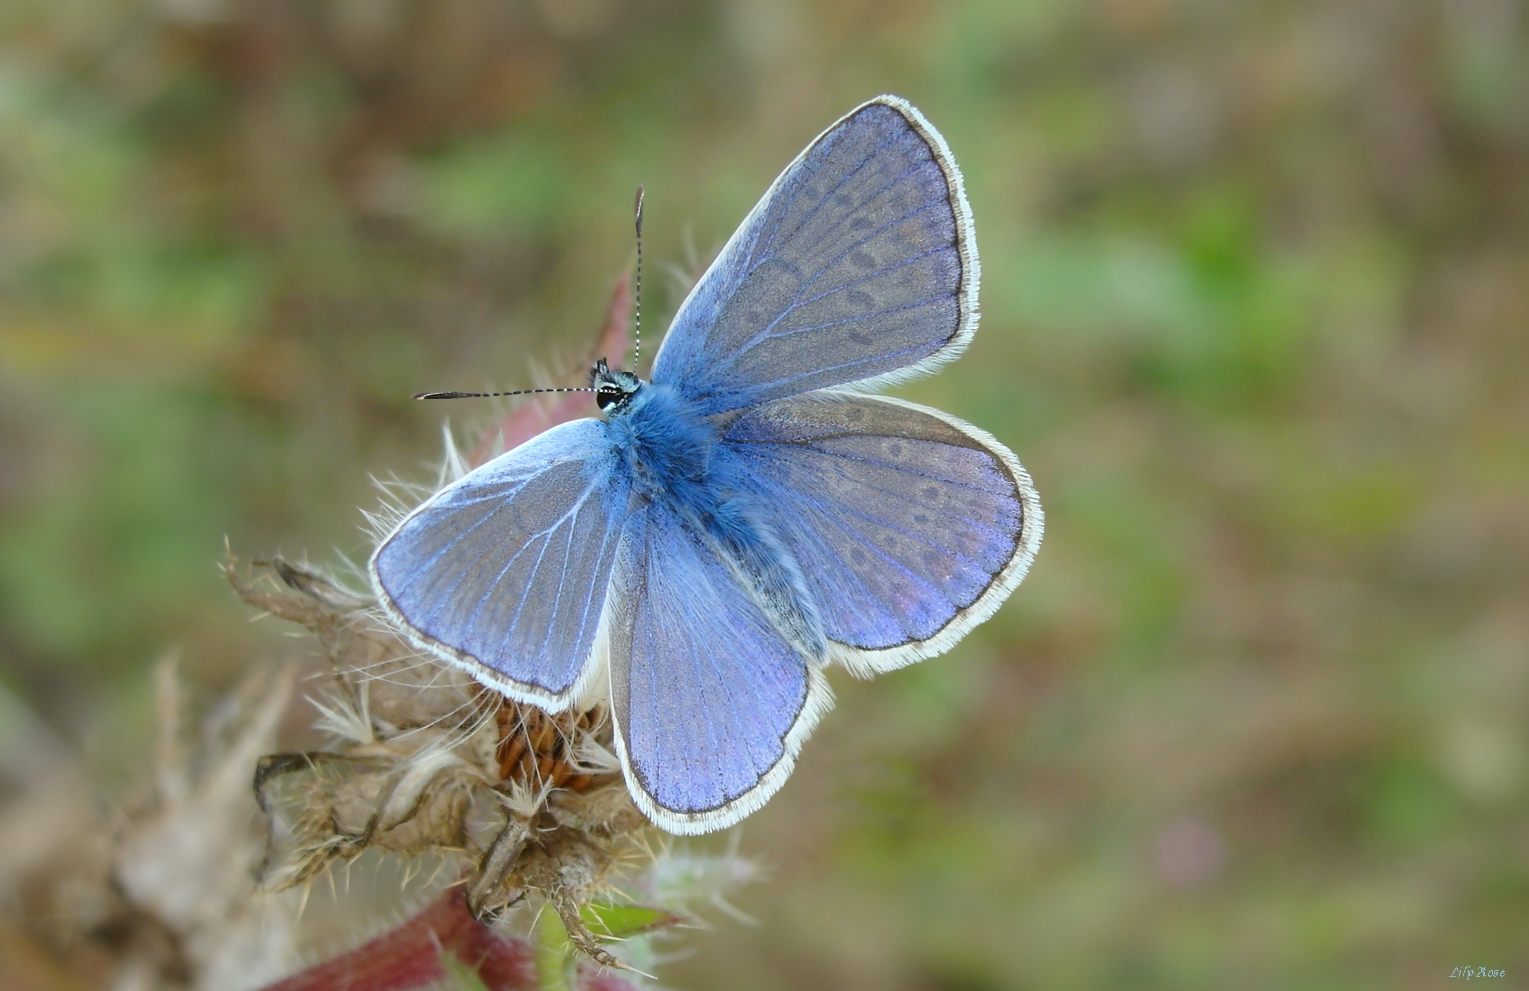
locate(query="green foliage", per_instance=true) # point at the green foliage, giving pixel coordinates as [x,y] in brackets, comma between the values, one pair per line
[460,976]
[623,921]
[487,189]
[1253,311]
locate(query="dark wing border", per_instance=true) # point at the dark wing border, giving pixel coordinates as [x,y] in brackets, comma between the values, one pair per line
[863,662]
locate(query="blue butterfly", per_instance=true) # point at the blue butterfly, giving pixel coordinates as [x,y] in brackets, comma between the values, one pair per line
[705,549]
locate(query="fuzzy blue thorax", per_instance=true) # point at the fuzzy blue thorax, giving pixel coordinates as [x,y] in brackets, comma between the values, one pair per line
[676,458]
[665,444]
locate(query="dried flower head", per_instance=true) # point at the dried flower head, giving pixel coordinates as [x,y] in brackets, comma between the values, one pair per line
[423,761]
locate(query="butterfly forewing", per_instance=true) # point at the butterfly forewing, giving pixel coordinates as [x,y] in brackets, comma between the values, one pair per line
[858,266]
[711,702]
[908,525]
[505,571]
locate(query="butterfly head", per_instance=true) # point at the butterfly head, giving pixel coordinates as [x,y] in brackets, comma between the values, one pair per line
[613,388]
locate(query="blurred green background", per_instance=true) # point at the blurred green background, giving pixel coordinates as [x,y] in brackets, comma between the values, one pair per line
[1256,317]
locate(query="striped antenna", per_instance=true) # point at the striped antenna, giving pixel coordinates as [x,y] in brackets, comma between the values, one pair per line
[490,395]
[636,336]
[637,295]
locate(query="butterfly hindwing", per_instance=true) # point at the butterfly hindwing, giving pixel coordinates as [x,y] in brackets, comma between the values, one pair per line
[505,571]
[909,526]
[711,702]
[858,266]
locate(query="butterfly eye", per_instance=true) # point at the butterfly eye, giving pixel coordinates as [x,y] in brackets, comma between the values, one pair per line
[607,397]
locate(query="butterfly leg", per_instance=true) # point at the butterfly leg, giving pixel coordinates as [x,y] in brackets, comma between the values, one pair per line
[578,933]
[496,865]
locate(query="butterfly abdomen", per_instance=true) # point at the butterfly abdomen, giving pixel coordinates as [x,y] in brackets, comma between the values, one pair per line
[761,564]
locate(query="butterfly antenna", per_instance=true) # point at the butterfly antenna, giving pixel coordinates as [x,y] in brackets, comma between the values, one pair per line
[637,294]
[490,395]
[636,335]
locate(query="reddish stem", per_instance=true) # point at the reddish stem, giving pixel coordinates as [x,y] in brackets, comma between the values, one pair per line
[545,412]
[410,956]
